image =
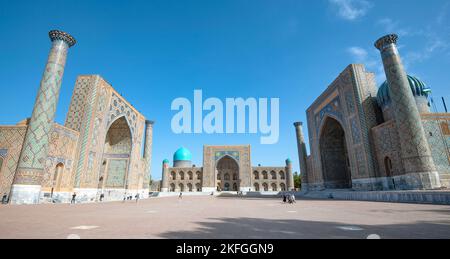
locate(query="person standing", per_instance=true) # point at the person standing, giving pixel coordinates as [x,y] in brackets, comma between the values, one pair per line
[102,196]
[181,195]
[74,195]
[137,197]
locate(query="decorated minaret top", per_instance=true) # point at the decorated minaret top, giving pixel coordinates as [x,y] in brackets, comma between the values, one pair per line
[64,36]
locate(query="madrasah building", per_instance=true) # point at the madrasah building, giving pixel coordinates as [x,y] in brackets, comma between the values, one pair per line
[225,169]
[97,150]
[361,138]
[366,138]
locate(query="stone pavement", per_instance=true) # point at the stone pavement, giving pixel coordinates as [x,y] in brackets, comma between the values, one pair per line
[221,218]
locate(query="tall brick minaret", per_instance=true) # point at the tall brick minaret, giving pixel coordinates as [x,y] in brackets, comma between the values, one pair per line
[420,171]
[26,187]
[301,146]
[148,152]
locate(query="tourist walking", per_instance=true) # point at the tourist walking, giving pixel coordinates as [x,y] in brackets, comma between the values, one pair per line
[284,197]
[137,197]
[102,196]
[293,198]
[181,195]
[74,195]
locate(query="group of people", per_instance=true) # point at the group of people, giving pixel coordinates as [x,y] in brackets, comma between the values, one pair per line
[130,197]
[288,197]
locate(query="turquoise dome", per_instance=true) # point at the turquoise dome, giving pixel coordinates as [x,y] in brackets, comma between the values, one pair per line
[165,161]
[182,154]
[288,161]
[417,86]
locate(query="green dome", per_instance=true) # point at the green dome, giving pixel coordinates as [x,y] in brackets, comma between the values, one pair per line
[165,161]
[288,161]
[417,86]
[182,154]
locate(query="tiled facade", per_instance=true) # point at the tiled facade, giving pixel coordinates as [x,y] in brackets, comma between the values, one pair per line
[97,151]
[227,168]
[355,143]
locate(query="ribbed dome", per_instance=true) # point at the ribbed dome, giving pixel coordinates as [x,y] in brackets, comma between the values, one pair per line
[417,86]
[182,154]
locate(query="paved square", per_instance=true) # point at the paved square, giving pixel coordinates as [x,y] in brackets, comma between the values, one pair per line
[219,218]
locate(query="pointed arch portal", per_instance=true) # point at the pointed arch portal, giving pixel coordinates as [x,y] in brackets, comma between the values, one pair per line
[334,155]
[117,151]
[227,174]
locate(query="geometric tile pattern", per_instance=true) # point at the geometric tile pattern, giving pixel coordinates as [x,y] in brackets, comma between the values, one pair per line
[242,153]
[11,139]
[33,156]
[62,150]
[414,146]
[348,100]
[147,152]
[116,173]
[118,109]
[332,108]
[356,134]
[220,154]
[85,131]
[78,103]
[438,145]
[387,144]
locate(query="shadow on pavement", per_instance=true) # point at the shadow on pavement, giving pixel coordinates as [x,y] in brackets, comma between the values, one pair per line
[256,228]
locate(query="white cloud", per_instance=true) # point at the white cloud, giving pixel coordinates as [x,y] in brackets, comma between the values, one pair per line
[351,9]
[433,46]
[358,53]
[371,59]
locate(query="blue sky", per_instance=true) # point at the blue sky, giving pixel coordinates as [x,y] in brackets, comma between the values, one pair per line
[155,51]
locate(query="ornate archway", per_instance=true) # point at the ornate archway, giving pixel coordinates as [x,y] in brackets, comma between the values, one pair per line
[334,155]
[117,151]
[227,174]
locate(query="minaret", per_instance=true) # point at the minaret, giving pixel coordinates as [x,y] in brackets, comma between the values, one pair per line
[301,146]
[420,171]
[289,175]
[148,151]
[165,176]
[26,187]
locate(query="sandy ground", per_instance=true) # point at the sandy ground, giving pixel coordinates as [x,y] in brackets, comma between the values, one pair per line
[222,218]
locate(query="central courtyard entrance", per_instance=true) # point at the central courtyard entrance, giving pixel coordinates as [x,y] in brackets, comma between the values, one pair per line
[227,174]
[116,157]
[334,154]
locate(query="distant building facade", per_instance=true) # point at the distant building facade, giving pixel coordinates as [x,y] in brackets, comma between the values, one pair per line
[225,168]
